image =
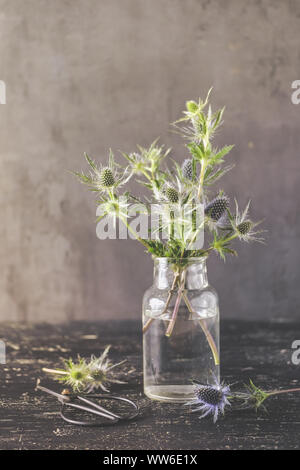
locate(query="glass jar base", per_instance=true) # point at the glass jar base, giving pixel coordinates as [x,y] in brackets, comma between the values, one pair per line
[170,393]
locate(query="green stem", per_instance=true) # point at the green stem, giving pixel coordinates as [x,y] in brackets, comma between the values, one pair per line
[278,392]
[176,307]
[246,396]
[144,172]
[205,330]
[54,371]
[201,180]
[149,322]
[230,238]
[123,219]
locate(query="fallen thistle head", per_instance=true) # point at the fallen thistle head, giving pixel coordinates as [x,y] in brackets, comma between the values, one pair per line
[87,376]
[210,399]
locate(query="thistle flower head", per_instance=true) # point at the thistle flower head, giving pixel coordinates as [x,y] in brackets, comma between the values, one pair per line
[198,125]
[244,227]
[103,178]
[187,169]
[75,374]
[137,162]
[171,194]
[210,399]
[191,106]
[117,207]
[100,372]
[147,160]
[216,208]
[106,177]
[86,375]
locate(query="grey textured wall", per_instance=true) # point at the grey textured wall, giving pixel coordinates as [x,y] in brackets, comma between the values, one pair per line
[86,75]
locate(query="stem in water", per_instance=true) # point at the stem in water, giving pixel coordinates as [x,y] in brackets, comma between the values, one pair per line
[177,304]
[149,322]
[205,330]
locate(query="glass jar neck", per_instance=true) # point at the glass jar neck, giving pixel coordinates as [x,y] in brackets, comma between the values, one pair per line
[194,273]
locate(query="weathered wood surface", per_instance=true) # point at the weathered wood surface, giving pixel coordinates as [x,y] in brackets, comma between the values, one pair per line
[29,419]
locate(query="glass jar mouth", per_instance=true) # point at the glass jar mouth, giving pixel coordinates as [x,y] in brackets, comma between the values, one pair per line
[192,258]
[180,263]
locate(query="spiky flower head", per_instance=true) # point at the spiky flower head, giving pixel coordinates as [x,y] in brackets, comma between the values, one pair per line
[75,374]
[243,226]
[209,394]
[86,375]
[106,177]
[171,194]
[191,106]
[197,125]
[147,160]
[187,169]
[100,372]
[216,208]
[210,399]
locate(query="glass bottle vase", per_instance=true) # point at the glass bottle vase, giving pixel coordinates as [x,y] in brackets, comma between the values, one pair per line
[180,330]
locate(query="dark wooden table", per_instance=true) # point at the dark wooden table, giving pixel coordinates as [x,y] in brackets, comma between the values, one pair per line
[261,351]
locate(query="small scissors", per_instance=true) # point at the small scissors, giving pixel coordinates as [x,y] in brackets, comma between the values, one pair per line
[67,399]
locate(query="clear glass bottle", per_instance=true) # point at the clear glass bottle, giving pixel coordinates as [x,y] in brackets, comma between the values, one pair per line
[180,330]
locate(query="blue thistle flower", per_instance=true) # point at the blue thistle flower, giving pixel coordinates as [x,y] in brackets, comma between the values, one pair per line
[216,208]
[210,399]
[244,227]
[187,169]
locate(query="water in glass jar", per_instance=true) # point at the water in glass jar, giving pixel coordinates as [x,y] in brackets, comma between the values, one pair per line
[172,363]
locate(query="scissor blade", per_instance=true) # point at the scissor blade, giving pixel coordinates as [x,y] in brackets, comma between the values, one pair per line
[91,410]
[51,392]
[98,407]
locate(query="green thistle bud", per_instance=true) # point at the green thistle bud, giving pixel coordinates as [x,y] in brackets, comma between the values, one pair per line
[107,178]
[77,375]
[191,106]
[171,194]
[187,169]
[216,208]
[244,227]
[98,375]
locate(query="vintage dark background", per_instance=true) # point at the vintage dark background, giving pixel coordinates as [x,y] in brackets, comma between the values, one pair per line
[86,75]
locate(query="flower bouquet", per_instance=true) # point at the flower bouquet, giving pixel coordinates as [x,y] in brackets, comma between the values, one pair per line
[188,222]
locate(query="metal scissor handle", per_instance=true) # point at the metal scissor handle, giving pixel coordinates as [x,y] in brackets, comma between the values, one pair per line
[93,408]
[112,417]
